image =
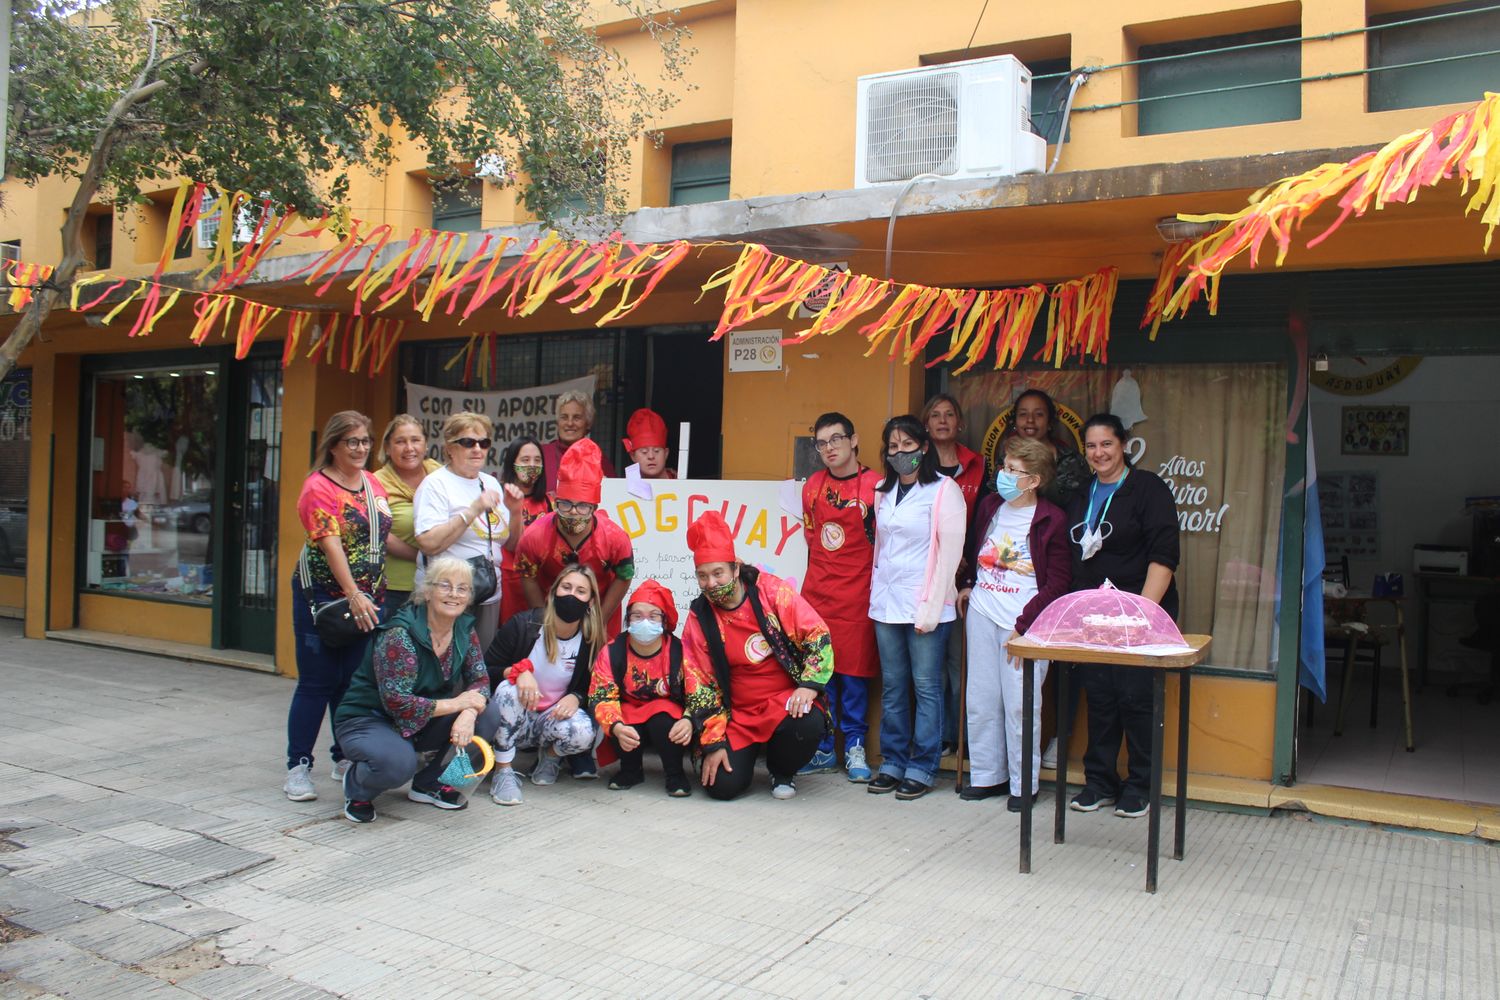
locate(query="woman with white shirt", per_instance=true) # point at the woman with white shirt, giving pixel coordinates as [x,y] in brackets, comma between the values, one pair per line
[546,657]
[920,517]
[461,511]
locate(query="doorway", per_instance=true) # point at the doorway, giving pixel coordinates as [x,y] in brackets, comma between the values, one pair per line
[245,612]
[685,384]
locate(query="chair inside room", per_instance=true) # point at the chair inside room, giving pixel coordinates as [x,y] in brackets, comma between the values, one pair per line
[1359,631]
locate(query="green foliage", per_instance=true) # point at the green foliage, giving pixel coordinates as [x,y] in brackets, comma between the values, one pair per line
[286,96]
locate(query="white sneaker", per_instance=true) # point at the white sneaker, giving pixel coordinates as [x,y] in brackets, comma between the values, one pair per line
[299,783]
[340,768]
[505,787]
[783,788]
[1049,755]
[548,767]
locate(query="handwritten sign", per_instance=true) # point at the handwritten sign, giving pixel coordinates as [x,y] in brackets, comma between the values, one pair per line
[765,536]
[514,412]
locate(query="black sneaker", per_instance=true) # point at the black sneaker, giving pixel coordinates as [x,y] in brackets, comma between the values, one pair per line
[1015,802]
[626,779]
[359,812]
[442,796]
[882,783]
[678,787]
[1088,801]
[973,793]
[1132,806]
[910,789]
[583,766]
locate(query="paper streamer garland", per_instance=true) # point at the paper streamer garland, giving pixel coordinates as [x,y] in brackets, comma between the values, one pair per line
[1465,144]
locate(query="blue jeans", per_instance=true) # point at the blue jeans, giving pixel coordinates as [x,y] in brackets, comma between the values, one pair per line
[911,661]
[849,703]
[323,675]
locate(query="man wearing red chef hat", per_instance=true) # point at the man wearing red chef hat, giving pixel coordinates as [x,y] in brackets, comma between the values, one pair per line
[646,443]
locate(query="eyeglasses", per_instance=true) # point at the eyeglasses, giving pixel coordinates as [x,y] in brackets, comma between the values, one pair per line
[1016,472]
[832,441]
[446,587]
[357,444]
[473,443]
[569,507]
[645,616]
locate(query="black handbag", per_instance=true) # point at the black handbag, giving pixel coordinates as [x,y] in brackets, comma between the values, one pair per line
[334,620]
[486,580]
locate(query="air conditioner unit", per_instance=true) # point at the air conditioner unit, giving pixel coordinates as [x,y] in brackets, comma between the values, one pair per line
[965,119]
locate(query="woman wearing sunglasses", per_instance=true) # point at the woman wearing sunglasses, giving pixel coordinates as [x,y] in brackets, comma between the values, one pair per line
[1124,530]
[462,511]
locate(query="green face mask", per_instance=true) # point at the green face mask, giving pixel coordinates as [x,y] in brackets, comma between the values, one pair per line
[526,474]
[721,595]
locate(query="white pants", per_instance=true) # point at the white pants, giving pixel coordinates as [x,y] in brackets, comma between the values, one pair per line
[992,702]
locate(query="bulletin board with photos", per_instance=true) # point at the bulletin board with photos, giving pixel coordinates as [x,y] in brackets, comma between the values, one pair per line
[1349,504]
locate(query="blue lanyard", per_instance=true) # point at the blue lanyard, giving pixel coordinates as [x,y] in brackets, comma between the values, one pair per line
[1088,520]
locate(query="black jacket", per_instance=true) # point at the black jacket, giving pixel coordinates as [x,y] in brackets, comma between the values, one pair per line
[1145,530]
[514,643]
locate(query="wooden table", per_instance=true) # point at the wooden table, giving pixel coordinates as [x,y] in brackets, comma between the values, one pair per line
[1063,659]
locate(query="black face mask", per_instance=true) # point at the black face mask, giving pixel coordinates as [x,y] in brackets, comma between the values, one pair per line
[569,609]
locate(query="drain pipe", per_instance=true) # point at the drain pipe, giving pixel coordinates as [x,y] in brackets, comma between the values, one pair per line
[890,239]
[1079,79]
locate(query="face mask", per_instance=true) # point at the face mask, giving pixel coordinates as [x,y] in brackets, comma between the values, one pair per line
[526,474]
[721,595]
[646,631]
[576,525]
[1089,540]
[1008,485]
[569,608]
[904,462]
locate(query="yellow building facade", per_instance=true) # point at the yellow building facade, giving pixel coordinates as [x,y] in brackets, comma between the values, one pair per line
[1181,106]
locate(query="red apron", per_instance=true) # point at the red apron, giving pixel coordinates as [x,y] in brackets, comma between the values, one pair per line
[840,556]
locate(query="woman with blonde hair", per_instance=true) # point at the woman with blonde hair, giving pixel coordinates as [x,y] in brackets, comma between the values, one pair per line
[344,511]
[461,510]
[575,419]
[404,464]
[545,656]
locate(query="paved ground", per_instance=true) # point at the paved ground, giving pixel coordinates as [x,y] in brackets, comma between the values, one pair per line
[146,851]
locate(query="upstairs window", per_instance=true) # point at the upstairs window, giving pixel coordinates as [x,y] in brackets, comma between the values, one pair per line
[1049,92]
[1221,82]
[1452,59]
[700,172]
[458,207]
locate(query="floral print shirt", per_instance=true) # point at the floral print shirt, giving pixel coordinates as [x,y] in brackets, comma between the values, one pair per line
[396,670]
[327,509]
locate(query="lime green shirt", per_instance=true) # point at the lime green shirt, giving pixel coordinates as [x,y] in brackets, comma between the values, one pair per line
[400,574]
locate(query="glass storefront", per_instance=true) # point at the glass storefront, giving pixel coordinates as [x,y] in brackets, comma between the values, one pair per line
[151,483]
[15,466]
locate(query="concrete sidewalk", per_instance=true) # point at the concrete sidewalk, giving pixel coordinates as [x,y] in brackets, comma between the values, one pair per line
[146,850]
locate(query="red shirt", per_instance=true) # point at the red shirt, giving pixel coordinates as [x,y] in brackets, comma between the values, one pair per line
[543,554]
[838,523]
[647,689]
[512,596]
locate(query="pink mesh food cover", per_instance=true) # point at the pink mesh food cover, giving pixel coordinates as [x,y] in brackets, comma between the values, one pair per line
[1107,618]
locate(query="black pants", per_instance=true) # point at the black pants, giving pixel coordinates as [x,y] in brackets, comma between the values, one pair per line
[1119,704]
[653,733]
[790,746]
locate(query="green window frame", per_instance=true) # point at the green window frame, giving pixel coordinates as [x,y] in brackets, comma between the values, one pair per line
[458,208]
[700,172]
[1249,85]
[1474,34]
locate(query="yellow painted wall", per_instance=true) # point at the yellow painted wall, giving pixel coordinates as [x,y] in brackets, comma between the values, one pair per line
[148,619]
[12,592]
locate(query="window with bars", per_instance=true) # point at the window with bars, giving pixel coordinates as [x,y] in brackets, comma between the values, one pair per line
[1451,59]
[1204,83]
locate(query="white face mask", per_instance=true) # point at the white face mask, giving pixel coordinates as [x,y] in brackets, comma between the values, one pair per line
[1090,540]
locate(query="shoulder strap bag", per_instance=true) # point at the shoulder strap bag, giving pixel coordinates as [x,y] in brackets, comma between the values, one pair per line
[335,621]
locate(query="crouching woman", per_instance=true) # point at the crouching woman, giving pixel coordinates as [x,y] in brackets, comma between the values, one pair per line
[421,688]
[637,692]
[546,656]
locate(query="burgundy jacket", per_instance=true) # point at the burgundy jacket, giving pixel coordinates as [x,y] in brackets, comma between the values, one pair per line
[1050,553]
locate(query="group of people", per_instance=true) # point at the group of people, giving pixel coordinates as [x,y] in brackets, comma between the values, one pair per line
[505,609]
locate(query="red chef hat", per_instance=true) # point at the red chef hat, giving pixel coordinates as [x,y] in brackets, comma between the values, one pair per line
[710,539]
[580,473]
[659,597]
[645,429]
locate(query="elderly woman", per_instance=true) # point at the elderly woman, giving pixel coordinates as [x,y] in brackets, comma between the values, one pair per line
[575,418]
[421,688]
[637,691]
[346,517]
[545,656]
[1124,530]
[460,510]
[919,539]
[1034,417]
[1016,563]
[521,466]
[403,452]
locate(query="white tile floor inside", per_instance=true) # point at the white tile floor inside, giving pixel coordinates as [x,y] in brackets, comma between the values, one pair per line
[1457,753]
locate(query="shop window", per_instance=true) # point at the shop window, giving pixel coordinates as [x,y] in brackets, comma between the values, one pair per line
[151,483]
[1209,431]
[700,172]
[1460,53]
[1249,85]
[15,468]
[458,208]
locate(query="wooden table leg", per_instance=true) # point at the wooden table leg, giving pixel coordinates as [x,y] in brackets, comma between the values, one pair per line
[1064,721]
[1153,817]
[1183,697]
[1028,733]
